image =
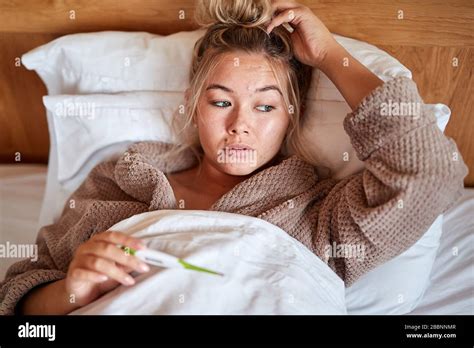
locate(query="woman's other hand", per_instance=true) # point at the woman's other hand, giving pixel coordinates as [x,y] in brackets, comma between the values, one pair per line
[311,38]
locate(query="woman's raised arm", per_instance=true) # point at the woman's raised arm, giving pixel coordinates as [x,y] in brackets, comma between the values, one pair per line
[413,173]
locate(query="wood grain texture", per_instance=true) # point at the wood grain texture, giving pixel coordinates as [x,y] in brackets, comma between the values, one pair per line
[424,23]
[430,35]
[23,126]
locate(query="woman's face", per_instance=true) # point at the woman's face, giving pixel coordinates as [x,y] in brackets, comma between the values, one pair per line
[241,118]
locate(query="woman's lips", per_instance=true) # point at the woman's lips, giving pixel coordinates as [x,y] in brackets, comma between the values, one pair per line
[238,153]
[238,147]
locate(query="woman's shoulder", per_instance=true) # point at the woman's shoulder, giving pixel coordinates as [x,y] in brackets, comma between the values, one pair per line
[151,147]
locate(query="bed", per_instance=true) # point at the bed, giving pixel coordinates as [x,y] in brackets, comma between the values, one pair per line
[412,33]
[451,282]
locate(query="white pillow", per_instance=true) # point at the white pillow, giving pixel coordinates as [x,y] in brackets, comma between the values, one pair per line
[397,286]
[114,61]
[96,121]
[111,62]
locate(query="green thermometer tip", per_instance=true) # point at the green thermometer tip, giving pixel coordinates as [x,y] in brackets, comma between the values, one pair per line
[197,268]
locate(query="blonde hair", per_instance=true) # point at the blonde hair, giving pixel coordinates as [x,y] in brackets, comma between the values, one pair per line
[241,26]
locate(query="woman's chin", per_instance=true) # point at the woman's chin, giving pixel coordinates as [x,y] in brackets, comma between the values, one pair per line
[237,162]
[238,169]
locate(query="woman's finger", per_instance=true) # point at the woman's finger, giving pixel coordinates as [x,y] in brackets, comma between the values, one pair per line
[113,253]
[107,267]
[287,16]
[126,269]
[88,275]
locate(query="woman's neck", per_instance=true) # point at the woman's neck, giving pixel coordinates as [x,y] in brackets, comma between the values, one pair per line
[218,182]
[215,181]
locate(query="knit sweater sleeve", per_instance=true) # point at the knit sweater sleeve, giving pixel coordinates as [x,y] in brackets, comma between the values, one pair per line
[95,206]
[413,173]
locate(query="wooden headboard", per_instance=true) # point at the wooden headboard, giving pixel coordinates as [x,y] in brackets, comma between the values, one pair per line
[433,38]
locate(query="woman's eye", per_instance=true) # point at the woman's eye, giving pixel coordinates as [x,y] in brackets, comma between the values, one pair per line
[267,108]
[224,104]
[219,104]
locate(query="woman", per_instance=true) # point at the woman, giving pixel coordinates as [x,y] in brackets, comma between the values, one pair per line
[243,115]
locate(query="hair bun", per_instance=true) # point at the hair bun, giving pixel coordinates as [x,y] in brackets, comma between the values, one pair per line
[245,13]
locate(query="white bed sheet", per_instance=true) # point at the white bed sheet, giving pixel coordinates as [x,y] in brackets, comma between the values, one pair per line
[21,193]
[451,289]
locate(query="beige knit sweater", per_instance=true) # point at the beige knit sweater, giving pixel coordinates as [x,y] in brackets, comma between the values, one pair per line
[411,176]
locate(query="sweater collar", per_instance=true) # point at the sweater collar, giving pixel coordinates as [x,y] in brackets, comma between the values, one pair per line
[140,173]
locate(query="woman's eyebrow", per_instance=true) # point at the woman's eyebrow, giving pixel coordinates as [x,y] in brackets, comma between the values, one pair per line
[226,89]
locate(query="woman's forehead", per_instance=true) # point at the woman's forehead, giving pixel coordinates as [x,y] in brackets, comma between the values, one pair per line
[243,69]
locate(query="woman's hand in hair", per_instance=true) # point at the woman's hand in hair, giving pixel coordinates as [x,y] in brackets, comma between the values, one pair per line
[311,38]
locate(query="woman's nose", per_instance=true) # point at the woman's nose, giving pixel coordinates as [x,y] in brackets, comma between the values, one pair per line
[239,124]
[237,131]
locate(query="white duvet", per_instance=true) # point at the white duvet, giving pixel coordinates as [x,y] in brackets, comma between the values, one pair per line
[265,270]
